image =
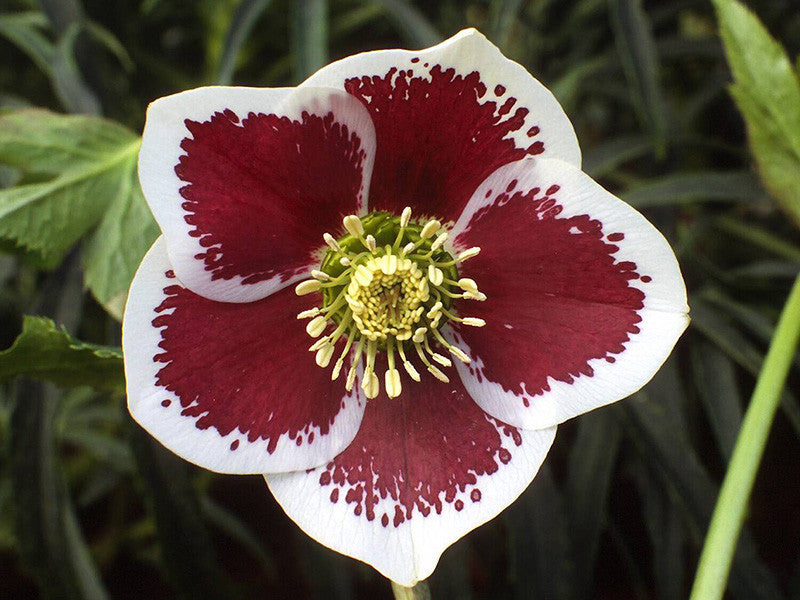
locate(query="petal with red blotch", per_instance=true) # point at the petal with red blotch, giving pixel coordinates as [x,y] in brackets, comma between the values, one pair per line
[230,387]
[585,298]
[243,182]
[446,118]
[424,470]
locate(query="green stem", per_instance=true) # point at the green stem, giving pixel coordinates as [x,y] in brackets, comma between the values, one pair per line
[421,591]
[729,513]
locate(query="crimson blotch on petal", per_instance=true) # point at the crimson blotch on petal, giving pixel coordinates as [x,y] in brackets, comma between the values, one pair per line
[384,289]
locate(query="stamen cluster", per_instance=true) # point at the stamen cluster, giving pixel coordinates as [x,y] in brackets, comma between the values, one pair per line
[387,285]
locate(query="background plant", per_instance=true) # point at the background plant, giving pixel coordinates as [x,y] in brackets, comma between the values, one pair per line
[90,507]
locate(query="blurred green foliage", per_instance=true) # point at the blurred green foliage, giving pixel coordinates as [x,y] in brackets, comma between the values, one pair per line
[90,507]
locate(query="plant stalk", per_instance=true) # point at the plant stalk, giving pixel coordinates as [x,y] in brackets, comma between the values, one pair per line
[420,591]
[729,513]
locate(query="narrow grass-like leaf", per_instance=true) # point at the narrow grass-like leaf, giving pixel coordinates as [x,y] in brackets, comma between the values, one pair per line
[541,563]
[730,511]
[44,351]
[68,80]
[740,349]
[734,186]
[244,18]
[502,14]
[667,533]
[188,554]
[415,27]
[758,236]
[666,446]
[637,50]
[309,36]
[602,159]
[715,378]
[51,543]
[24,31]
[590,469]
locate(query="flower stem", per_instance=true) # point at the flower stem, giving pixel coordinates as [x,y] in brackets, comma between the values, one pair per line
[729,513]
[421,591]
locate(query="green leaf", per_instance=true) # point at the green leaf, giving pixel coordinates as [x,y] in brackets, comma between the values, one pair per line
[92,185]
[767,91]
[244,18]
[44,351]
[539,542]
[411,22]
[186,546]
[719,392]
[50,540]
[741,186]
[24,31]
[309,36]
[637,51]
[503,13]
[590,470]
[665,445]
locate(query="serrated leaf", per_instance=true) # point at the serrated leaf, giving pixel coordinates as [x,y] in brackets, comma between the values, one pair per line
[767,91]
[45,351]
[93,183]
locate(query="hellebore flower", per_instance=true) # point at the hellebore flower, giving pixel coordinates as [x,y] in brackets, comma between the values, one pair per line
[420,220]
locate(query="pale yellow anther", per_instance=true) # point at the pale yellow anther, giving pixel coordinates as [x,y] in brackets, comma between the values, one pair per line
[389,264]
[408,248]
[405,216]
[307,287]
[440,239]
[392,383]
[469,253]
[353,225]
[320,275]
[419,334]
[307,314]
[371,385]
[318,344]
[412,372]
[316,326]
[468,285]
[331,241]
[438,374]
[371,243]
[351,379]
[435,275]
[459,354]
[479,296]
[363,275]
[344,261]
[434,310]
[324,354]
[442,360]
[429,229]
[473,321]
[337,368]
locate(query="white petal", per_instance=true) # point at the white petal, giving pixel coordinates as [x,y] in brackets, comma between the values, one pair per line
[265,202]
[562,334]
[210,381]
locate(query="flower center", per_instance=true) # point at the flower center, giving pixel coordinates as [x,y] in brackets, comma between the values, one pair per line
[388,286]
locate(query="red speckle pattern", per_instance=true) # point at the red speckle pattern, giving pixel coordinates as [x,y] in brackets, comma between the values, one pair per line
[414,454]
[261,191]
[556,296]
[425,160]
[244,366]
